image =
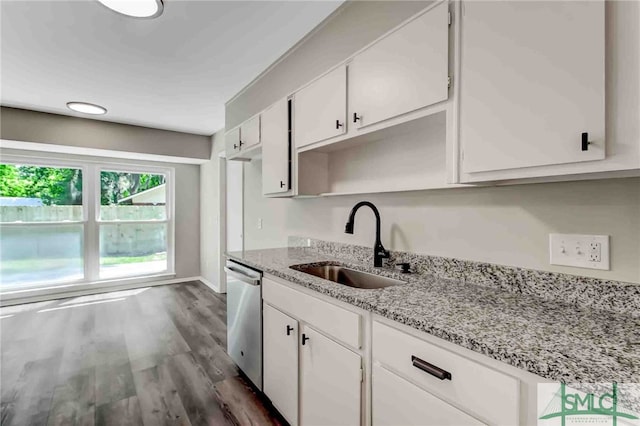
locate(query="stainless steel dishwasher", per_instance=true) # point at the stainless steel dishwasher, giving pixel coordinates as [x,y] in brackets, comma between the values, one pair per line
[244,319]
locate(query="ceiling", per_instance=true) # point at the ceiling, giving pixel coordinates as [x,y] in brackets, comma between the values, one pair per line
[174,72]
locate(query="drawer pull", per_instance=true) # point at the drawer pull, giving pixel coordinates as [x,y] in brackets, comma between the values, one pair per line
[430,368]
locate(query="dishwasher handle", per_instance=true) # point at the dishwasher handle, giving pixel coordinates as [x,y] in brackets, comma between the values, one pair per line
[241,277]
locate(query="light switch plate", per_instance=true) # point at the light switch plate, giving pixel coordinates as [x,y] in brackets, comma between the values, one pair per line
[581,251]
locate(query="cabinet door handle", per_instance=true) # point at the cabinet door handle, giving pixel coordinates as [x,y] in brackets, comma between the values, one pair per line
[235,146]
[338,124]
[281,184]
[356,117]
[430,368]
[289,330]
[304,339]
[241,143]
[585,141]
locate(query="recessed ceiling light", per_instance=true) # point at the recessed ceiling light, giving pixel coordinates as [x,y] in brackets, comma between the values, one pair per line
[86,108]
[136,8]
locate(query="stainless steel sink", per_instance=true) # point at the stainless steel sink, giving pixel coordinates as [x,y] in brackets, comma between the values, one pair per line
[346,276]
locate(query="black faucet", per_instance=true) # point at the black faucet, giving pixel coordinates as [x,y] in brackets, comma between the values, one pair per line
[379,251]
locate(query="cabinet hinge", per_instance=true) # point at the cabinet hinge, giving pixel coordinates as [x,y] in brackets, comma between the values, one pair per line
[450,18]
[361,375]
[449,82]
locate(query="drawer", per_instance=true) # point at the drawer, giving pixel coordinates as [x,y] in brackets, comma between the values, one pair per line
[478,389]
[337,322]
[398,402]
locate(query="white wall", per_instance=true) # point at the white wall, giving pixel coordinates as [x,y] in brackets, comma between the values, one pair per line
[210,213]
[505,225]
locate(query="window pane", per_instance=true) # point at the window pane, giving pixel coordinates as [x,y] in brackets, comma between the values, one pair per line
[131,249]
[40,254]
[132,196]
[40,194]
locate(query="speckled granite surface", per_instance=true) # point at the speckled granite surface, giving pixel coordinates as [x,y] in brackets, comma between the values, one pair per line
[579,291]
[552,339]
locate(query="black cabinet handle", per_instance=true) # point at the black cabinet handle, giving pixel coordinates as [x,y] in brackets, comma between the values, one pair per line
[338,124]
[430,368]
[289,330]
[241,143]
[585,141]
[355,117]
[281,184]
[235,146]
[304,339]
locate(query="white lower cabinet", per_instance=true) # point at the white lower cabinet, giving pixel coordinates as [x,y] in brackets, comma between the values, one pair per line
[398,402]
[475,389]
[331,380]
[316,352]
[310,374]
[280,358]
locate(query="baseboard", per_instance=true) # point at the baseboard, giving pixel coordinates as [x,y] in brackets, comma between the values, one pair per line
[63,293]
[209,284]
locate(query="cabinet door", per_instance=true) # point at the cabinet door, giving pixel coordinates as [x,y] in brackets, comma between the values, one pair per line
[250,133]
[532,81]
[320,109]
[398,402]
[275,148]
[232,142]
[280,337]
[403,72]
[330,386]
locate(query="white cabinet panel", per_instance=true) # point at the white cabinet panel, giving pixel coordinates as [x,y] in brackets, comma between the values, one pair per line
[280,336]
[331,382]
[532,81]
[232,142]
[320,108]
[275,148]
[403,72]
[341,324]
[484,391]
[250,133]
[398,402]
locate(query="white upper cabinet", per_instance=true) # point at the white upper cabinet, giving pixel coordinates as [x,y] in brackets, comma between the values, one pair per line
[250,133]
[321,108]
[275,148]
[232,142]
[405,71]
[532,82]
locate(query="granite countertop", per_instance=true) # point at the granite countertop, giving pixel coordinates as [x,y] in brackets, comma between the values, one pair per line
[547,338]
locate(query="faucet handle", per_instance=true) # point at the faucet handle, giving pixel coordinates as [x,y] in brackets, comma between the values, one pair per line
[406,266]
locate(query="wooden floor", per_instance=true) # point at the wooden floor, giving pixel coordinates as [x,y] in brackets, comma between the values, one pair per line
[152,356]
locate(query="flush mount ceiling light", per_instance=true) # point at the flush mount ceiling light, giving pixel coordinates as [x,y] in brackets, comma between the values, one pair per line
[136,8]
[86,108]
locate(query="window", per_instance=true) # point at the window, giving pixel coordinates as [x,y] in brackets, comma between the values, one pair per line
[133,223]
[42,224]
[63,223]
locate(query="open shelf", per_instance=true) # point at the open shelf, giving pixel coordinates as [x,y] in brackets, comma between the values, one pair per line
[407,157]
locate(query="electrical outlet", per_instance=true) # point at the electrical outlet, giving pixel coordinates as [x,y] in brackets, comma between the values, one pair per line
[581,251]
[595,250]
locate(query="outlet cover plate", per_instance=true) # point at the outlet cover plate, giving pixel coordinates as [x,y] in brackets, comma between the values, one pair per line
[578,250]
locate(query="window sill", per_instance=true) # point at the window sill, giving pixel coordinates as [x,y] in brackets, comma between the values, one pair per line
[14,297]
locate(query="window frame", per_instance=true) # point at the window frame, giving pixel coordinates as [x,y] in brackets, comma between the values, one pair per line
[91,222]
[169,209]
